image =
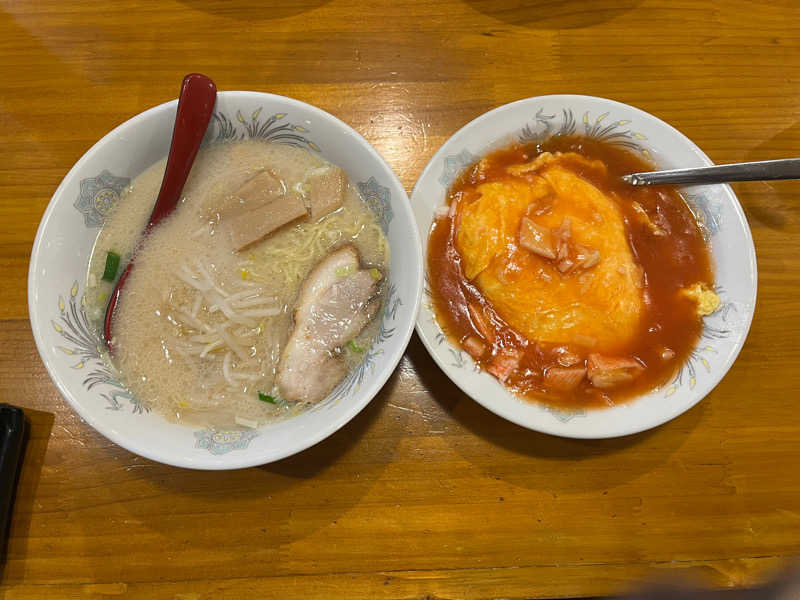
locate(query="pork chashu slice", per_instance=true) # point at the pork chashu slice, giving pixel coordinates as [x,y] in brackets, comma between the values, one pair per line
[336,301]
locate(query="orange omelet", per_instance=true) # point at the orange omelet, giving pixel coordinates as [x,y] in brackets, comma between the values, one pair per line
[545,298]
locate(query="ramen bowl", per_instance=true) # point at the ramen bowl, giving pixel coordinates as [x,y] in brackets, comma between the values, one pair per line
[723,222]
[71,349]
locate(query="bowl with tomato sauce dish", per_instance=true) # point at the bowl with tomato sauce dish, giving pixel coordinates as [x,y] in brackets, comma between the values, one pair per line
[564,299]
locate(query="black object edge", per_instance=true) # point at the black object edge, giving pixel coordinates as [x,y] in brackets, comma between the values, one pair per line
[12,441]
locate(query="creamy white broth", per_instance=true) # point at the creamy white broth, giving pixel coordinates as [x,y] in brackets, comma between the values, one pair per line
[162,323]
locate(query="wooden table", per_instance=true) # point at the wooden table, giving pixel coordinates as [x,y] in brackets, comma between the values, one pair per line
[425,494]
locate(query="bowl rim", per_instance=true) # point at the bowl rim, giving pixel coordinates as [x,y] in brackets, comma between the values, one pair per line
[231,461]
[505,410]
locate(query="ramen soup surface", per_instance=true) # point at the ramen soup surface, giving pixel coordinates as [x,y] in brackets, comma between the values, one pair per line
[201,328]
[568,285]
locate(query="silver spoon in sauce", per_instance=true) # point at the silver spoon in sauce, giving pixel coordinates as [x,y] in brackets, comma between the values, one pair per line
[765,170]
[195,106]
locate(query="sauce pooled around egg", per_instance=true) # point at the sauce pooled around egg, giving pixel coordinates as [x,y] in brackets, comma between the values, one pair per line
[568,285]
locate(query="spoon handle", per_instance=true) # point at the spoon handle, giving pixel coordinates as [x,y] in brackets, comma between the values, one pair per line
[765,170]
[195,106]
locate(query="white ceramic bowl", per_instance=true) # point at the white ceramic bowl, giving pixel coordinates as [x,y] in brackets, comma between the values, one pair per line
[70,225]
[729,237]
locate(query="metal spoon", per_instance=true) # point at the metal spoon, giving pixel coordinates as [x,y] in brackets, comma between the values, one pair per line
[195,106]
[765,170]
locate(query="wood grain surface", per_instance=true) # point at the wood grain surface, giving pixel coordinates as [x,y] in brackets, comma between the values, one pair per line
[425,494]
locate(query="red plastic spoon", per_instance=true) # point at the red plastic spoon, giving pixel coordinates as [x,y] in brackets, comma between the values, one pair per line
[195,105]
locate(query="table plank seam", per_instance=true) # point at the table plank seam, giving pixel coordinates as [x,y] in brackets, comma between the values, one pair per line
[395,572]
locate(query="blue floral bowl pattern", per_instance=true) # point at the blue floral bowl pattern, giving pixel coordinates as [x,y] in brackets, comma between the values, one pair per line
[72,350]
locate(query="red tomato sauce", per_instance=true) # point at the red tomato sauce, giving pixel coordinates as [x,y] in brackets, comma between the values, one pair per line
[670,263]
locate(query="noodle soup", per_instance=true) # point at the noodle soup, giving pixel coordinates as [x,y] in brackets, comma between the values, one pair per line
[203,328]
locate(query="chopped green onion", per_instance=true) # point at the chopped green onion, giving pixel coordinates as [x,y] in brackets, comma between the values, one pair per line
[376,275]
[345,271]
[112,264]
[355,347]
[265,398]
